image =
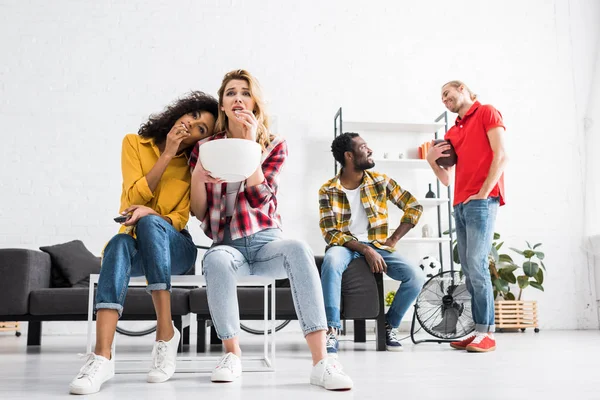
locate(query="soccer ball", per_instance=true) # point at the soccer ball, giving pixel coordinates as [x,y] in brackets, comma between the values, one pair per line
[430,266]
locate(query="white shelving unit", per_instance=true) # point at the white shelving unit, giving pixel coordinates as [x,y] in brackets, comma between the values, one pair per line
[392,127]
[404,162]
[432,202]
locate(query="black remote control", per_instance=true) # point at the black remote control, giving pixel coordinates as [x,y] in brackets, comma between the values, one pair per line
[122,218]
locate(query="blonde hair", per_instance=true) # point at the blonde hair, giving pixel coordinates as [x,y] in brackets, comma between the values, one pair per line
[458,84]
[263,135]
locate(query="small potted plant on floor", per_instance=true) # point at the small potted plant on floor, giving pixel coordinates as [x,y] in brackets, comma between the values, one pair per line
[511,312]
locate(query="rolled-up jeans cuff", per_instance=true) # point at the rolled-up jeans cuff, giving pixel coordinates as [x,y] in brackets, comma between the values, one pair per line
[228,336]
[334,324]
[157,286]
[314,329]
[485,328]
[110,306]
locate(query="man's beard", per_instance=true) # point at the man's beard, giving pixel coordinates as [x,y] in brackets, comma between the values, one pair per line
[365,165]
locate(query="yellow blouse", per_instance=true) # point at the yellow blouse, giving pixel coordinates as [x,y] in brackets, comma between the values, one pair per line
[172,195]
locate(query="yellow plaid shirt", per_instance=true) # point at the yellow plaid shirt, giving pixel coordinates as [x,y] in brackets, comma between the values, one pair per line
[375,191]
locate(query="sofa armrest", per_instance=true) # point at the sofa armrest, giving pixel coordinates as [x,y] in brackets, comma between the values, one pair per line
[21,271]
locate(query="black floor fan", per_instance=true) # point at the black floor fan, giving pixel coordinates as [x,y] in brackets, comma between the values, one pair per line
[443,308]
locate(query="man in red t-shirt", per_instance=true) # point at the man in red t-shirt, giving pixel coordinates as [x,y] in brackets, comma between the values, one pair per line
[478,139]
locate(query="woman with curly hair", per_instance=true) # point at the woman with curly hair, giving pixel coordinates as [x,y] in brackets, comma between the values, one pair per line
[153,240]
[244,224]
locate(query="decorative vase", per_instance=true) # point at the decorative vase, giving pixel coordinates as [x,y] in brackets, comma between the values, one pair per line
[430,194]
[426,230]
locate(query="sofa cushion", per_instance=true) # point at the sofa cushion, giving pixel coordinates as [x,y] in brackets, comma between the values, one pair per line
[360,298]
[73,262]
[21,271]
[74,301]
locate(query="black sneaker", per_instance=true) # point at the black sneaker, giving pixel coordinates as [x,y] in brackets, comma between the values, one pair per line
[392,342]
[332,344]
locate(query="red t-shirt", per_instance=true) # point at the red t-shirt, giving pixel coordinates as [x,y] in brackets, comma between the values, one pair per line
[472,146]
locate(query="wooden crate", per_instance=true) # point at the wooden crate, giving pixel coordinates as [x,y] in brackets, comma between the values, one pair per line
[516,314]
[10,326]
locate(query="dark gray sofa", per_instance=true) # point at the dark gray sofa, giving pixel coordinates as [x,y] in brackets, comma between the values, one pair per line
[26,295]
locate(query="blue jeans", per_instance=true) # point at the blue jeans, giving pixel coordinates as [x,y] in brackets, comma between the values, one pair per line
[158,252]
[475,233]
[336,261]
[264,253]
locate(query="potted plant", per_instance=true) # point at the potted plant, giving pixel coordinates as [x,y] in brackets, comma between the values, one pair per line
[512,312]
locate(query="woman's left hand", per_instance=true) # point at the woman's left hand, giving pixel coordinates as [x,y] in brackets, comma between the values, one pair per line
[250,123]
[137,212]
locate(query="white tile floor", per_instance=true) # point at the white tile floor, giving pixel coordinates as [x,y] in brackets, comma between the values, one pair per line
[547,365]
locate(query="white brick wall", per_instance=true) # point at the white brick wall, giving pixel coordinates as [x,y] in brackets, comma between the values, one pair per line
[76,76]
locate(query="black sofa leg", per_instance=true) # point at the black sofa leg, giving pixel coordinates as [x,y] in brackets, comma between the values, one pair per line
[186,336]
[380,328]
[178,324]
[201,336]
[360,331]
[34,333]
[214,339]
[380,333]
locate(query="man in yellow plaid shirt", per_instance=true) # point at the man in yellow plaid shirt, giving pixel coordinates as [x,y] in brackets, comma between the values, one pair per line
[354,223]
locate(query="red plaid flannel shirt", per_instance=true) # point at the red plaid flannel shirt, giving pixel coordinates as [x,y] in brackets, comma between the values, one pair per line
[256,206]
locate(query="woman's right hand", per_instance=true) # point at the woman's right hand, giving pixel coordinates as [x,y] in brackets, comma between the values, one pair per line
[174,138]
[200,175]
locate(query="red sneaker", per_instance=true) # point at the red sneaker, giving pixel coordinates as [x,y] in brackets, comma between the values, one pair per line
[462,344]
[482,343]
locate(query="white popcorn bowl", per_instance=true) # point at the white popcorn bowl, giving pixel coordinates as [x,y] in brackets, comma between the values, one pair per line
[232,160]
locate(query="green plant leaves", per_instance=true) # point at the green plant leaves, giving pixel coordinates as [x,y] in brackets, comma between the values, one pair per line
[539,277]
[523,281]
[501,285]
[505,258]
[530,268]
[539,255]
[536,245]
[494,254]
[496,236]
[517,251]
[528,253]
[528,245]
[455,256]
[509,296]
[509,268]
[507,275]
[537,286]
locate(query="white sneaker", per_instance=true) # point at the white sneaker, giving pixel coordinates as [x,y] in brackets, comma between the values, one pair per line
[92,375]
[163,359]
[228,369]
[329,373]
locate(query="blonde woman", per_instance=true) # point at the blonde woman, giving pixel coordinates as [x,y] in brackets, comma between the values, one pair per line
[245,226]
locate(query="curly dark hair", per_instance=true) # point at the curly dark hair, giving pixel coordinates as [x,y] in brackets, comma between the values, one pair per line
[342,144]
[159,125]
